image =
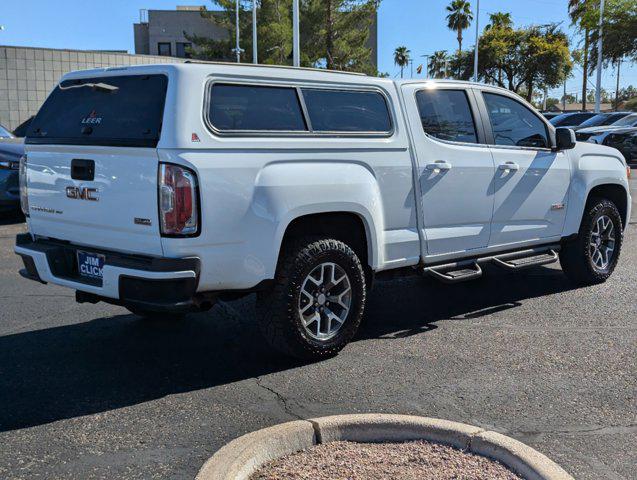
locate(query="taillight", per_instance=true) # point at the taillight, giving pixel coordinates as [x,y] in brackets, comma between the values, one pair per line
[178,200]
[24,197]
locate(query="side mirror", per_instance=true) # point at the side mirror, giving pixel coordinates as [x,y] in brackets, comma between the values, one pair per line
[564,139]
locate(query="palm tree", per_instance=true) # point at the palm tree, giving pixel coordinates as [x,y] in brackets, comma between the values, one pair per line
[499,20]
[438,64]
[459,18]
[401,58]
[576,10]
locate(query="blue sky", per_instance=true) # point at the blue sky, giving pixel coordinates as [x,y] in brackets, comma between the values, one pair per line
[418,24]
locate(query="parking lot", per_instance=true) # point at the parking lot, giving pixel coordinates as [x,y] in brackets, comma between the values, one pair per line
[89,391]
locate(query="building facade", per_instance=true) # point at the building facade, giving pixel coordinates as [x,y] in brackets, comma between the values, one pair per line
[163,32]
[27,75]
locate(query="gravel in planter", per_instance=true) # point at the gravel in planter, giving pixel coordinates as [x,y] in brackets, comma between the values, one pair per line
[417,460]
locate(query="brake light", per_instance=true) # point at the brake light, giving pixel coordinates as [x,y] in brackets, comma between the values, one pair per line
[178,200]
[22,174]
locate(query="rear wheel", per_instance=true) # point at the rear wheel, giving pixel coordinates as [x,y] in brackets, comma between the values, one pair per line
[593,255]
[317,303]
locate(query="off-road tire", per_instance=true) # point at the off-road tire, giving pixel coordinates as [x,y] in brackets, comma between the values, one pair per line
[575,256]
[277,309]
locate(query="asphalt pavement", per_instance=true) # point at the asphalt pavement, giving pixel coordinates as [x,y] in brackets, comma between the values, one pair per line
[90,391]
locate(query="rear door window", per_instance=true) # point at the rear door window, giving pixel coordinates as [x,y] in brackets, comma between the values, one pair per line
[347,111]
[446,114]
[122,110]
[253,108]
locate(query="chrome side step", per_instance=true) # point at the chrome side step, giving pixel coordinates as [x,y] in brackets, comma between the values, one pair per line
[469,269]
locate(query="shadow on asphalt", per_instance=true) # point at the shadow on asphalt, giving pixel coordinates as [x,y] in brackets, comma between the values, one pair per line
[113,362]
[11,218]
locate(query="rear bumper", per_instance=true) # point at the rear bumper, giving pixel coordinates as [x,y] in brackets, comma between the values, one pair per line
[132,280]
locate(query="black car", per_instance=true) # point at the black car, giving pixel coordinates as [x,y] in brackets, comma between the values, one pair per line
[625,142]
[11,149]
[601,120]
[573,119]
[550,115]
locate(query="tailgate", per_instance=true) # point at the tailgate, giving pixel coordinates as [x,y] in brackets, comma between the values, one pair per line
[116,210]
[92,162]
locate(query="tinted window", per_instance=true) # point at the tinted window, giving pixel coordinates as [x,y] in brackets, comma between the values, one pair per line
[514,124]
[627,121]
[347,111]
[255,108]
[446,114]
[122,110]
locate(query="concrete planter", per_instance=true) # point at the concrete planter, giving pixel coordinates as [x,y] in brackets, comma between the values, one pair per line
[245,455]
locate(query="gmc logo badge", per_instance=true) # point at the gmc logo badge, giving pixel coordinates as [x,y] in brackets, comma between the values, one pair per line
[82,193]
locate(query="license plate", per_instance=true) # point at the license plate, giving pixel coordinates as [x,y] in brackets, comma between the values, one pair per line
[90,265]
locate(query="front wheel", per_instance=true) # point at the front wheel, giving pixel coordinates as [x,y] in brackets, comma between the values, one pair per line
[593,255]
[317,302]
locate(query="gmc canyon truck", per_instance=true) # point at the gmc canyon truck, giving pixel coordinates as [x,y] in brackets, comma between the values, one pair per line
[164,188]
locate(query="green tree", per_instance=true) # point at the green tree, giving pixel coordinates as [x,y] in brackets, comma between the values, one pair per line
[459,18]
[274,24]
[335,33]
[631,105]
[579,12]
[619,31]
[528,58]
[438,64]
[499,20]
[401,58]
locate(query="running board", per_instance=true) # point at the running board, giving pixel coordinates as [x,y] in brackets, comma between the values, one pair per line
[446,274]
[521,263]
[469,269]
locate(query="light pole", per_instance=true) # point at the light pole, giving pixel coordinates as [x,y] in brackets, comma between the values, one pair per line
[598,86]
[426,65]
[475,55]
[238,46]
[255,58]
[296,48]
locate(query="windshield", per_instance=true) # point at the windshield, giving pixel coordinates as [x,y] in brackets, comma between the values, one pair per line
[4,133]
[603,119]
[628,121]
[122,110]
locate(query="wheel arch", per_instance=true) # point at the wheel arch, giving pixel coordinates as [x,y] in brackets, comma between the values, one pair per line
[614,192]
[581,193]
[353,227]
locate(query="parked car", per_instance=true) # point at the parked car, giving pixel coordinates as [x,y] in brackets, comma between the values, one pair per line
[597,134]
[572,119]
[625,142]
[601,120]
[550,115]
[11,149]
[302,186]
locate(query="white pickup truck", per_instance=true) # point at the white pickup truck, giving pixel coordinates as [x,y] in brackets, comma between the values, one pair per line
[163,188]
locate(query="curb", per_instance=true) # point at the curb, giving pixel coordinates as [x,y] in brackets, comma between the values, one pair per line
[242,457]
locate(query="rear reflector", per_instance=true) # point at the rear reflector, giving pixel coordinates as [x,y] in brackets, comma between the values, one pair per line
[178,201]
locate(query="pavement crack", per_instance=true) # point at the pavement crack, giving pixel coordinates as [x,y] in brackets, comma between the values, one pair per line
[579,430]
[285,403]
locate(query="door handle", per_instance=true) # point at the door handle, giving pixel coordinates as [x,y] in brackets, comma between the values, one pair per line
[508,166]
[438,165]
